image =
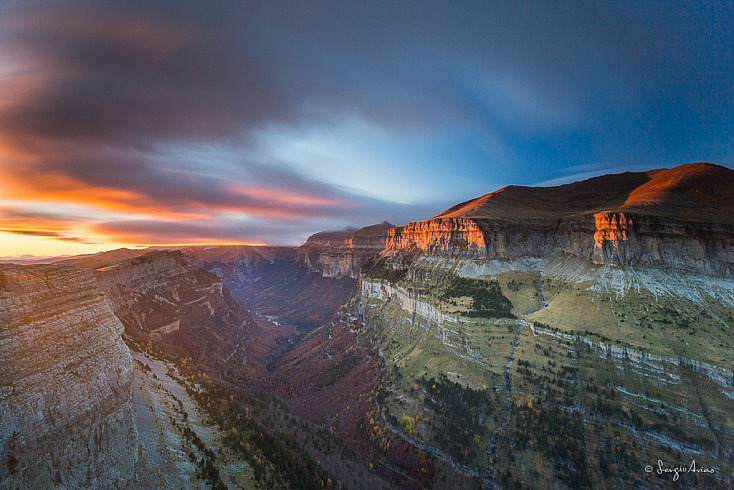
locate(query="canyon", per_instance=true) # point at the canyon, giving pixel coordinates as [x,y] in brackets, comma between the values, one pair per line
[569,334]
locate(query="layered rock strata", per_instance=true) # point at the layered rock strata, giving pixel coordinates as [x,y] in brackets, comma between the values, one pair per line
[680,218]
[65,382]
[181,309]
[611,238]
[342,254]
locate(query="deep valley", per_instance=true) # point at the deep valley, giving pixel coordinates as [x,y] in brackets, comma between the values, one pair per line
[578,336]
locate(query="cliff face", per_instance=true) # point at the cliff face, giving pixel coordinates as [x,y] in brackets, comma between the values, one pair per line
[182,309]
[342,254]
[628,239]
[65,382]
[441,236]
[612,238]
[680,218]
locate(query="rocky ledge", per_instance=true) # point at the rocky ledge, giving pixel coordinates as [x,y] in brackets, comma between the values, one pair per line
[610,238]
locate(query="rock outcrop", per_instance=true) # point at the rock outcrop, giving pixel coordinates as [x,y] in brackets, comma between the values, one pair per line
[441,236]
[181,309]
[661,218]
[342,253]
[65,382]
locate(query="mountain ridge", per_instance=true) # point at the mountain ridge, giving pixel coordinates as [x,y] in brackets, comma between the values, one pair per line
[666,192]
[680,218]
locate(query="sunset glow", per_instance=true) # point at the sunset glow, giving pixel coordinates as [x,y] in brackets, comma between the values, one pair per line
[137,124]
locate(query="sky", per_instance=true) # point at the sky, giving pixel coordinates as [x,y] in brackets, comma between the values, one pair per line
[159,123]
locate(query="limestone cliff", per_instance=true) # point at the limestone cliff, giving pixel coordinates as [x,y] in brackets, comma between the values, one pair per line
[183,310]
[342,254]
[612,238]
[440,236]
[621,291]
[633,238]
[65,382]
[684,221]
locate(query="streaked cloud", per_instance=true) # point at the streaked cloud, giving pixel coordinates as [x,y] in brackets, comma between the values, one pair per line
[266,121]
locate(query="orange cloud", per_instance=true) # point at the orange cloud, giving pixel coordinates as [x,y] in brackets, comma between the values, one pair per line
[120,114]
[20,224]
[280,196]
[29,182]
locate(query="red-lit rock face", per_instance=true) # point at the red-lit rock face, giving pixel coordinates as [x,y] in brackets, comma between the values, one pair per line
[611,238]
[440,236]
[611,235]
[681,218]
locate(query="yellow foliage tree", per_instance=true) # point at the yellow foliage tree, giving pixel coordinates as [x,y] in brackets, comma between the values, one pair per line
[407,424]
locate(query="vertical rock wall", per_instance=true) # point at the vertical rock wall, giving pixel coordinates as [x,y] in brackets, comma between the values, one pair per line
[613,238]
[342,254]
[67,417]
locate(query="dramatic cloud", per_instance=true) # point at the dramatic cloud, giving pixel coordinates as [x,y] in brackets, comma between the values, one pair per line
[265,121]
